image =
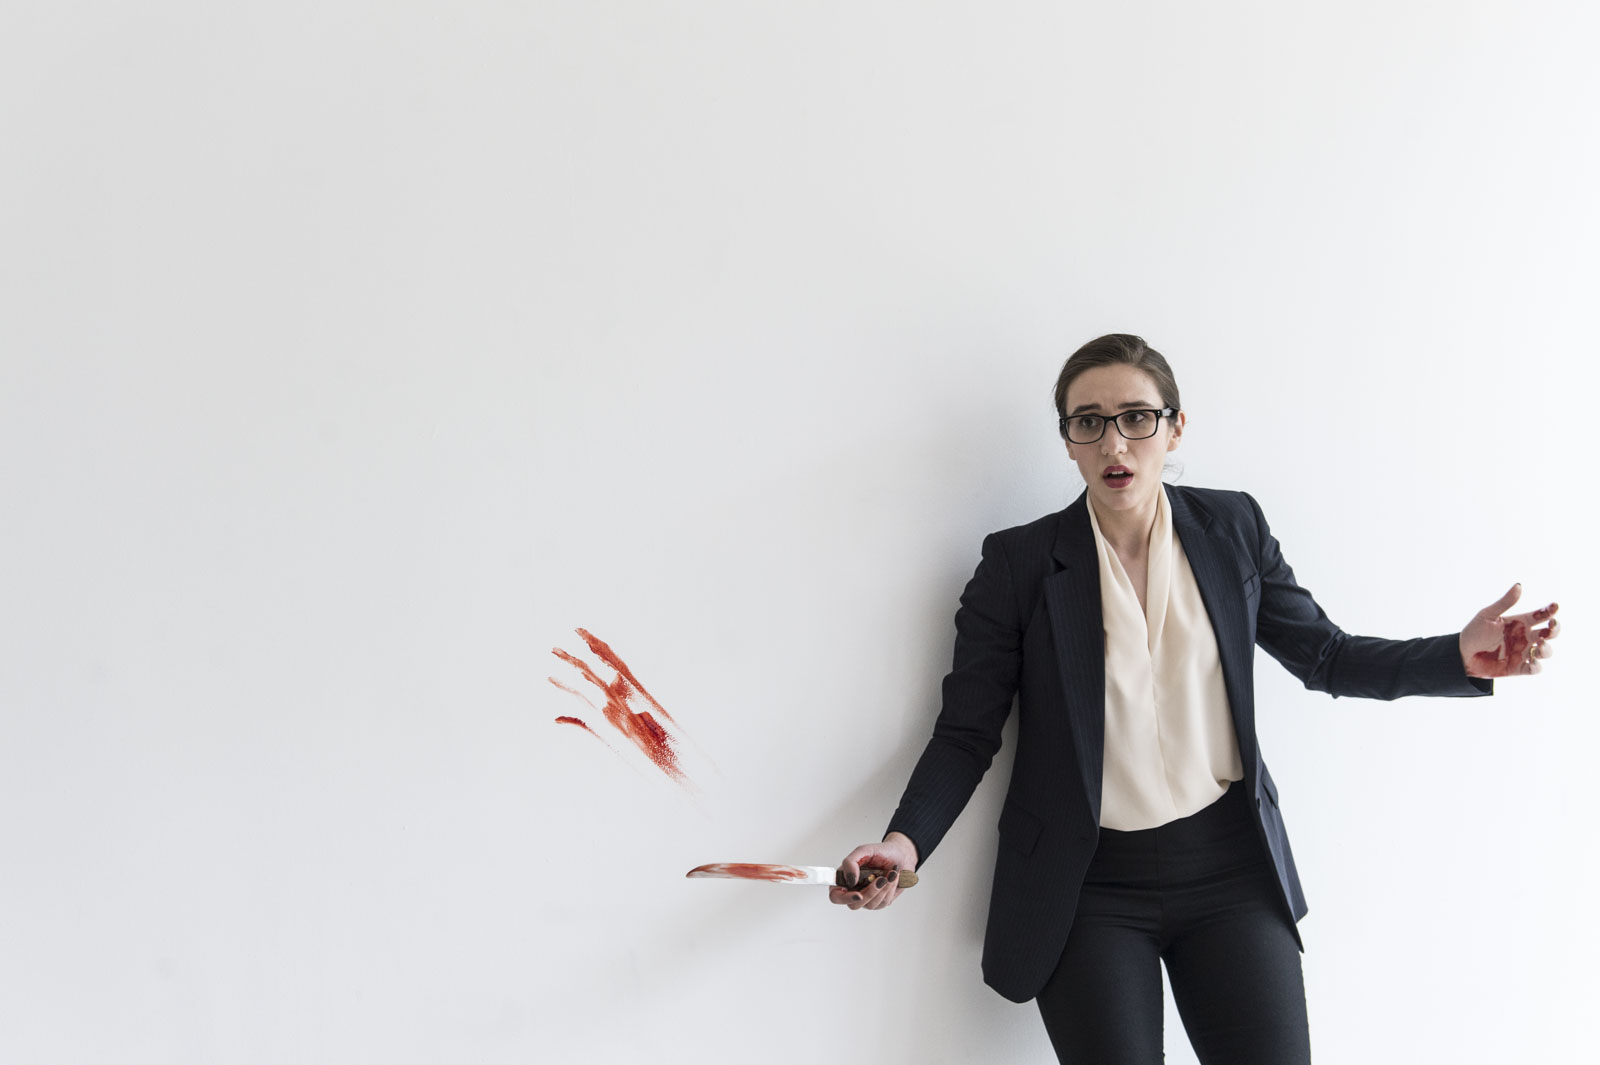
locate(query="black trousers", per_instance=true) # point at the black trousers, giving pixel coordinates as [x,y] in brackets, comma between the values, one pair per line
[1199,894]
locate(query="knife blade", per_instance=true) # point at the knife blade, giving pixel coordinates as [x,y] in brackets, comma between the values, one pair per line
[789,874]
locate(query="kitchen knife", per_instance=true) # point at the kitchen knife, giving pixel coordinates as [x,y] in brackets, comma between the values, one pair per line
[790,874]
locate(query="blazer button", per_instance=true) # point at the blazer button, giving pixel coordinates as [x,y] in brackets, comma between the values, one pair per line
[1258,802]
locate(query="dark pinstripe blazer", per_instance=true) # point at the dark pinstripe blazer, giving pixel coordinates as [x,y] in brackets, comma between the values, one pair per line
[1029,629]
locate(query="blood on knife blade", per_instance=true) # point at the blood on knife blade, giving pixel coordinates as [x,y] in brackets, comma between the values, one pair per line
[750,871]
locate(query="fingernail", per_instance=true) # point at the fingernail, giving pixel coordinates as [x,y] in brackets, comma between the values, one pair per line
[856,897]
[880,882]
[894,875]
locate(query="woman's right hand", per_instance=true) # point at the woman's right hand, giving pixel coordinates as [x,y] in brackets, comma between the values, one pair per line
[895,853]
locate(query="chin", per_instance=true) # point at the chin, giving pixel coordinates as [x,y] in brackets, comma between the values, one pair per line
[1122,498]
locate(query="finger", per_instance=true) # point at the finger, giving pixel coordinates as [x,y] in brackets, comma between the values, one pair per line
[872,890]
[1535,617]
[1550,631]
[1529,664]
[856,865]
[877,869]
[839,896]
[894,886]
[1504,603]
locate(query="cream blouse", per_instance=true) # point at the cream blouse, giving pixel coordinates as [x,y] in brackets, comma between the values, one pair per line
[1170,748]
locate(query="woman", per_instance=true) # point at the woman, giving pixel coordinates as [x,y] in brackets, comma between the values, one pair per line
[1140,824]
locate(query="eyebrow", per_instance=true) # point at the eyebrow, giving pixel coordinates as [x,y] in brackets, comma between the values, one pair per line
[1137,404]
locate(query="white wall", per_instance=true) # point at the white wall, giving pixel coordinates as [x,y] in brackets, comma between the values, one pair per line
[355,353]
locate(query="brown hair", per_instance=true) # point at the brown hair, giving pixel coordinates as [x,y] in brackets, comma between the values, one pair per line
[1116,349]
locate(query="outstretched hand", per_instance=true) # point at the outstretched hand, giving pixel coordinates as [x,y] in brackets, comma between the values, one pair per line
[1510,646]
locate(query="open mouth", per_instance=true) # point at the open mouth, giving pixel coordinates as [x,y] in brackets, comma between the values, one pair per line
[1118,476]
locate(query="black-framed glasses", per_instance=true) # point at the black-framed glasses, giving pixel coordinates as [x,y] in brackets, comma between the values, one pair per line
[1138,424]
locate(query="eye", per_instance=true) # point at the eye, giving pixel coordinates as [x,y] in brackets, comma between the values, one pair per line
[1088,422]
[1136,419]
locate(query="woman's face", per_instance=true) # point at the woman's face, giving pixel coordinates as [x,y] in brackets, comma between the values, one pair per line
[1122,474]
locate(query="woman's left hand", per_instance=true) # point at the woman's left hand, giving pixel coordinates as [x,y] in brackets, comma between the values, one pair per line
[1496,646]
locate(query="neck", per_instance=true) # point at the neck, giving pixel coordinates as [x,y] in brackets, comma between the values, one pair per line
[1128,531]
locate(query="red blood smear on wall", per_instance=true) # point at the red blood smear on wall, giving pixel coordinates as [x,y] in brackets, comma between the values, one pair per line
[776,873]
[572,691]
[639,726]
[607,655]
[1514,637]
[576,721]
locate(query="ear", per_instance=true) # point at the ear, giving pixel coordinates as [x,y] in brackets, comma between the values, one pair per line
[1176,430]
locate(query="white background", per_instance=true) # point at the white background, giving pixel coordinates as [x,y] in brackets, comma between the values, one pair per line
[353,353]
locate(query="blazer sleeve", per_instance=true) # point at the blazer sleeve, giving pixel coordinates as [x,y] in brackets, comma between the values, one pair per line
[977,696]
[1292,628]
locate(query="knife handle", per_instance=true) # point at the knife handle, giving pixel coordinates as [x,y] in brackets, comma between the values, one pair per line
[906,878]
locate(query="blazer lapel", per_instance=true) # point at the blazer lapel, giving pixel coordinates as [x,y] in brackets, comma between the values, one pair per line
[1072,597]
[1215,562]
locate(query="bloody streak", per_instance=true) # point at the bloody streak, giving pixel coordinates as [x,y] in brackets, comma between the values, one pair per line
[746,871]
[609,657]
[641,728]
[576,721]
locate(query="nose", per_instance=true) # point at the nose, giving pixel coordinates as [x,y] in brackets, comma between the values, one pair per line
[1113,443]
